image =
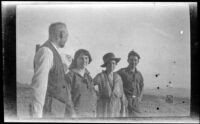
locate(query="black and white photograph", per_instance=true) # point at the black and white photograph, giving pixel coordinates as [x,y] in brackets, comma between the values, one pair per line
[103,61]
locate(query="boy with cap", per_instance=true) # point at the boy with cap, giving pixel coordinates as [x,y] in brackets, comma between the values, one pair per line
[132,83]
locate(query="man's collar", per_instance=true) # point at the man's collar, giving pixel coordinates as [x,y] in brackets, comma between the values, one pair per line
[129,70]
[54,45]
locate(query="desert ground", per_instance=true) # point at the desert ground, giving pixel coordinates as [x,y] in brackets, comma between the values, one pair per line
[152,105]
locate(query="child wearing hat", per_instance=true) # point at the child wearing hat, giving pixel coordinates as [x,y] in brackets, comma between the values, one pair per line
[132,83]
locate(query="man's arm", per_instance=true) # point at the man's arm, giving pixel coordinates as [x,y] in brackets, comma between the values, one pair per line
[43,62]
[69,105]
[141,88]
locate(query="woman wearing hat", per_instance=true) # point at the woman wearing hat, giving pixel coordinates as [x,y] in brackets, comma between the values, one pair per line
[111,98]
[82,102]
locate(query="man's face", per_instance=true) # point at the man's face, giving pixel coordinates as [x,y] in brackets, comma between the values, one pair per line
[133,61]
[82,61]
[63,36]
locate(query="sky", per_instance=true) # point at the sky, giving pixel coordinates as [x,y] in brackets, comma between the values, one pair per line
[159,32]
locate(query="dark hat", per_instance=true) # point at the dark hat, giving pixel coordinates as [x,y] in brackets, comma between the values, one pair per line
[85,52]
[109,56]
[132,52]
[76,55]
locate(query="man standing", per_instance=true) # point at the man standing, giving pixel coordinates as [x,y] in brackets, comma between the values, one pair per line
[48,81]
[132,83]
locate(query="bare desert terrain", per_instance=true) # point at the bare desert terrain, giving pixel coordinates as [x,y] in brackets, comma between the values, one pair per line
[153,103]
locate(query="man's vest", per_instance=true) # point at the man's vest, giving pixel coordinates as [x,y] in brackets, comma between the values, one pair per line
[56,88]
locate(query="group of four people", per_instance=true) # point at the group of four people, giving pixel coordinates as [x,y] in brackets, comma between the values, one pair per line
[76,93]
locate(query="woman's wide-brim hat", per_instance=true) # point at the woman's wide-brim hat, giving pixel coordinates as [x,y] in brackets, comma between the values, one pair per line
[109,56]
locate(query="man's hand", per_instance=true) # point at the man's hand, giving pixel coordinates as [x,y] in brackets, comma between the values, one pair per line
[140,99]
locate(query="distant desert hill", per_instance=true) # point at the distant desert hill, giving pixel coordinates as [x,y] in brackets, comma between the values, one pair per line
[20,85]
[176,92]
[24,94]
